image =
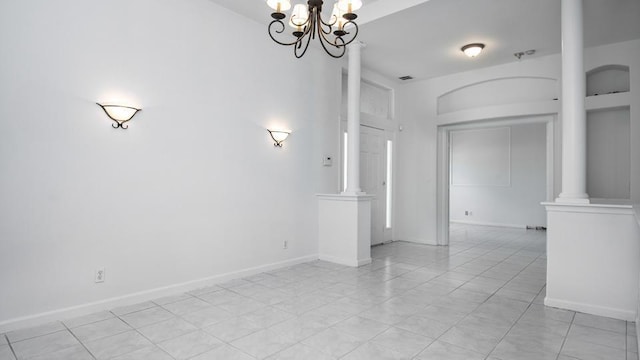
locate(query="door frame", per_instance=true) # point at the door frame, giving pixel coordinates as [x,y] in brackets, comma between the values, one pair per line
[387,233]
[380,196]
[388,124]
[443,176]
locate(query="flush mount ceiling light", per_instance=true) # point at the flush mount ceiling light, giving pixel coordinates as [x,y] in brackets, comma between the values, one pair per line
[278,136]
[472,50]
[121,114]
[307,23]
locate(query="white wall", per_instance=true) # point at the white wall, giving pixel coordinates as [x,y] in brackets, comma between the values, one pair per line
[193,189]
[416,184]
[515,199]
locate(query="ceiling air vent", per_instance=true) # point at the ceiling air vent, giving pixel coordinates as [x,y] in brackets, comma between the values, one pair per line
[406,77]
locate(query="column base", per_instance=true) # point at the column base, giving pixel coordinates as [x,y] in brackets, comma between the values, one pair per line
[344,229]
[592,261]
[581,198]
[353,193]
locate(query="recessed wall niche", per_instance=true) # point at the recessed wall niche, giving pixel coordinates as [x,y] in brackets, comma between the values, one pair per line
[608,79]
[609,153]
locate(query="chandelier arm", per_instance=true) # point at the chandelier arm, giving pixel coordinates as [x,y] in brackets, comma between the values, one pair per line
[304,51]
[321,27]
[337,56]
[329,24]
[280,32]
[329,41]
[306,23]
[308,28]
[354,35]
[309,36]
[323,36]
[324,40]
[314,16]
[335,41]
[296,42]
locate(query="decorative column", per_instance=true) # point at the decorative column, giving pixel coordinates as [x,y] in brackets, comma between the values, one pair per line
[590,247]
[353,119]
[344,220]
[574,118]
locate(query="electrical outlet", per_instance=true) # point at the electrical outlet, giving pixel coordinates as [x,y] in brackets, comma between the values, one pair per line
[99,275]
[466,213]
[285,244]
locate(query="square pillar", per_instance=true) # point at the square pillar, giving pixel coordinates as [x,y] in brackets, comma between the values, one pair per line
[592,259]
[345,229]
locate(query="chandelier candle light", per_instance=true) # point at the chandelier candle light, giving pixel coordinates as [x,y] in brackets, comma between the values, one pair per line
[307,23]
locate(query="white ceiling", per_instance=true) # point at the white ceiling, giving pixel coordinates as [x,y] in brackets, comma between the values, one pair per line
[422,38]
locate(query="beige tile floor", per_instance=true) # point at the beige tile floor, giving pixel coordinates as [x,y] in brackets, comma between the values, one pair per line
[480,298]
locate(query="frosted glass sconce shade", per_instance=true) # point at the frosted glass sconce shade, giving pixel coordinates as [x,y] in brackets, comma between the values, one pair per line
[120,114]
[472,50]
[278,136]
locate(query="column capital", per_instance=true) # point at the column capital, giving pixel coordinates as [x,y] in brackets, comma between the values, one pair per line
[357,44]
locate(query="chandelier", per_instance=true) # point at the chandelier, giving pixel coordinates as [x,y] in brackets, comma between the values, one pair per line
[307,23]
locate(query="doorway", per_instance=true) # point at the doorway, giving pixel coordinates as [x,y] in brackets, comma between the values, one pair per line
[376,174]
[373,178]
[488,175]
[377,129]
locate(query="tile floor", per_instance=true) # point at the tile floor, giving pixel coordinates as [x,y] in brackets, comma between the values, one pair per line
[480,298]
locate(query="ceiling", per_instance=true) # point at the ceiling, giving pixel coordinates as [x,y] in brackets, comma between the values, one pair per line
[422,38]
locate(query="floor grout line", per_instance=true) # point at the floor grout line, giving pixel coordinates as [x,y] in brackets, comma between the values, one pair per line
[10,346]
[80,342]
[486,261]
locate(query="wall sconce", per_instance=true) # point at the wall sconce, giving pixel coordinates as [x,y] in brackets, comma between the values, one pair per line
[472,50]
[120,114]
[278,136]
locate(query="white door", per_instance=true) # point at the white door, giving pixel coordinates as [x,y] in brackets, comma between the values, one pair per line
[373,177]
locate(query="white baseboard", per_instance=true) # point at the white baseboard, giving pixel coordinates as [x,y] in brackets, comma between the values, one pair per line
[346,262]
[620,314]
[337,260]
[147,295]
[638,332]
[638,325]
[420,241]
[483,223]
